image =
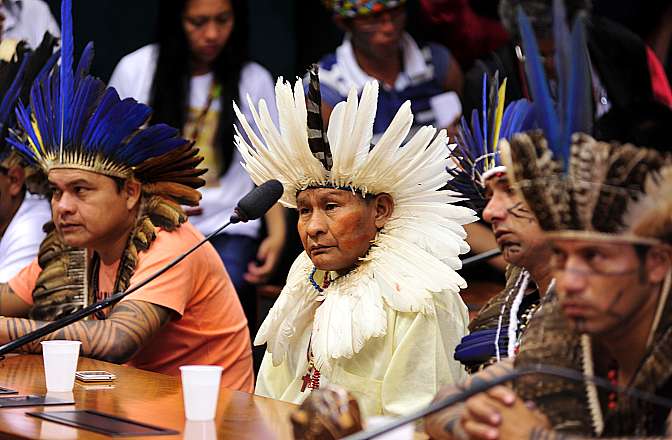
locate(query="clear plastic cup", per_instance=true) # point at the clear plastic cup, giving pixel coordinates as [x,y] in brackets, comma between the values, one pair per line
[200,388]
[60,364]
[404,432]
[200,430]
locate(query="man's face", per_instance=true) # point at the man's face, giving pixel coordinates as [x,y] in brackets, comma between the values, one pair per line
[516,229]
[336,226]
[378,34]
[603,286]
[89,209]
[208,25]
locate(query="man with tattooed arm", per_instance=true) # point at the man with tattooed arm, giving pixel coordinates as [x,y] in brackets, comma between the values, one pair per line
[117,187]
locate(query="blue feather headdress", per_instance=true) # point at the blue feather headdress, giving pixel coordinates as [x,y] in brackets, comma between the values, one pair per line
[576,186]
[477,151]
[572,111]
[75,121]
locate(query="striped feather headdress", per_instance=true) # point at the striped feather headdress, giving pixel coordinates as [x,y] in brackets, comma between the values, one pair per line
[417,251]
[300,156]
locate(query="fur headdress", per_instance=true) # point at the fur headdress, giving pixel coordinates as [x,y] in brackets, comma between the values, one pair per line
[575,185]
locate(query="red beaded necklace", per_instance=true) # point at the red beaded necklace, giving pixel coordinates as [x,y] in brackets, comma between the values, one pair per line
[612,375]
[311,379]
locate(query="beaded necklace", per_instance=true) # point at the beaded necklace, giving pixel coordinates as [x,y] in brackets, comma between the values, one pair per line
[311,380]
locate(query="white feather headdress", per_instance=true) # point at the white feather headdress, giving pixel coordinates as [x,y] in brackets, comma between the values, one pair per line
[412,258]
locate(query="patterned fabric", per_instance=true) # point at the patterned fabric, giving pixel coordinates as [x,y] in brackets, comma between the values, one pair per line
[353,8]
[548,340]
[424,70]
[507,314]
[609,191]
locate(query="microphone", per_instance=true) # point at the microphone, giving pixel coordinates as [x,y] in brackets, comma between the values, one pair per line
[479,385]
[251,206]
[257,202]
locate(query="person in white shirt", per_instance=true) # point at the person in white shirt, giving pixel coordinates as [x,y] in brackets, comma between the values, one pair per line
[22,214]
[27,20]
[190,77]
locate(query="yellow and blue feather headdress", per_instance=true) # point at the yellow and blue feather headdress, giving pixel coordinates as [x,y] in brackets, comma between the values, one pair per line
[477,151]
[75,121]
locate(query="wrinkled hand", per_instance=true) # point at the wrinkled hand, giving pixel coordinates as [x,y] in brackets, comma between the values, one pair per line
[500,414]
[269,254]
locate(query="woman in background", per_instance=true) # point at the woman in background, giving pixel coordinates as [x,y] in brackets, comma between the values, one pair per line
[190,77]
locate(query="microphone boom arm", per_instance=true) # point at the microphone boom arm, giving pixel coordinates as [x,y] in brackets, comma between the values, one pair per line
[479,385]
[100,305]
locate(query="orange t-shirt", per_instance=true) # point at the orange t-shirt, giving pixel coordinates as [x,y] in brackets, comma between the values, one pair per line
[211,328]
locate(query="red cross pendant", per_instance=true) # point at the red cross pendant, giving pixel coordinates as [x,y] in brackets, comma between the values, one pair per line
[306,382]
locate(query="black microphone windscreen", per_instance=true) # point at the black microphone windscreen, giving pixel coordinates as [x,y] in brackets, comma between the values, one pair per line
[258,201]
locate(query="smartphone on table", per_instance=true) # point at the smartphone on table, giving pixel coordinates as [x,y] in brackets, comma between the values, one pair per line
[95,376]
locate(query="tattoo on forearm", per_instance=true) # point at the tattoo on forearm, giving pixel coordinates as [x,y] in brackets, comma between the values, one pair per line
[129,326]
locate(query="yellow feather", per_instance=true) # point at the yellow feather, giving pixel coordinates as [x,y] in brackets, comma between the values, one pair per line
[499,112]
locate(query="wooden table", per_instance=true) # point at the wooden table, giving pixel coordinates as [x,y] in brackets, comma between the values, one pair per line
[142,396]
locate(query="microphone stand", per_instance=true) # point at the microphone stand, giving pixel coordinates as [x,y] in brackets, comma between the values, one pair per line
[480,385]
[481,257]
[106,302]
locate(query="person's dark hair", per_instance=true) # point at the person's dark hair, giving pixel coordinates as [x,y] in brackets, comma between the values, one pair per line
[540,13]
[119,183]
[170,88]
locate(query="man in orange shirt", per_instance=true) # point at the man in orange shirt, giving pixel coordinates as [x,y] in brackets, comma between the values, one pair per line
[116,190]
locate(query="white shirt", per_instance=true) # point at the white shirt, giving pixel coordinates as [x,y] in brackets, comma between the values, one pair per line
[133,77]
[21,241]
[28,20]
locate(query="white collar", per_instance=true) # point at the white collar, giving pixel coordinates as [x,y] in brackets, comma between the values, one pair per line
[415,67]
[411,260]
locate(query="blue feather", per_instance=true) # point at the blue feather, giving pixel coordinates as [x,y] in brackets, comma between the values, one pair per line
[23,119]
[9,100]
[579,117]
[541,96]
[84,62]
[152,142]
[46,69]
[66,78]
[109,99]
[562,57]
[115,125]
[87,97]
[484,110]
[480,147]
